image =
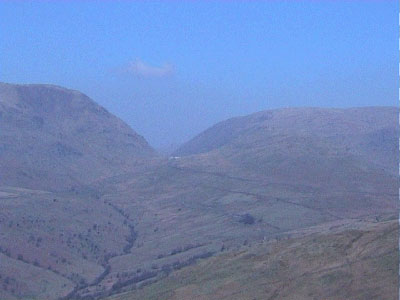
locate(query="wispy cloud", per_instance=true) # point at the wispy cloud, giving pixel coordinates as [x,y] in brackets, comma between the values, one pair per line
[144,70]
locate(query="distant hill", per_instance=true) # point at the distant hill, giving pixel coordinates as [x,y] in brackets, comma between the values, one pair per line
[329,150]
[53,138]
[369,133]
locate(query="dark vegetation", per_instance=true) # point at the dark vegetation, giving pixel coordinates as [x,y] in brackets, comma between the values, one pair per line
[247,219]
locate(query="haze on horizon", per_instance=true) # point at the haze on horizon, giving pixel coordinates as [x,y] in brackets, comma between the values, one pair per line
[170,70]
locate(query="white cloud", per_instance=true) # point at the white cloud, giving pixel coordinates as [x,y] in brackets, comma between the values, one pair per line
[141,69]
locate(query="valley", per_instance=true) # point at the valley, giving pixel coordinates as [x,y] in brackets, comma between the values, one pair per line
[296,201]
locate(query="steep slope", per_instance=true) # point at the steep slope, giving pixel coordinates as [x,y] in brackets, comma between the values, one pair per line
[53,138]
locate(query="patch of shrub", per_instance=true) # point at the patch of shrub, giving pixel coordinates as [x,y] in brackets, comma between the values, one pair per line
[247,219]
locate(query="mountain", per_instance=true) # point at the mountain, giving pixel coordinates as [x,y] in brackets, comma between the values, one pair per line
[361,131]
[354,149]
[89,210]
[330,150]
[56,138]
[366,133]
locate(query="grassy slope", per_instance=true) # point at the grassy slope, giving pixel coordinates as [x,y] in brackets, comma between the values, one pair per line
[51,238]
[351,264]
[22,280]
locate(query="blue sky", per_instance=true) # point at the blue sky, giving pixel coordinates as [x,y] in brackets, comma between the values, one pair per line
[171,69]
